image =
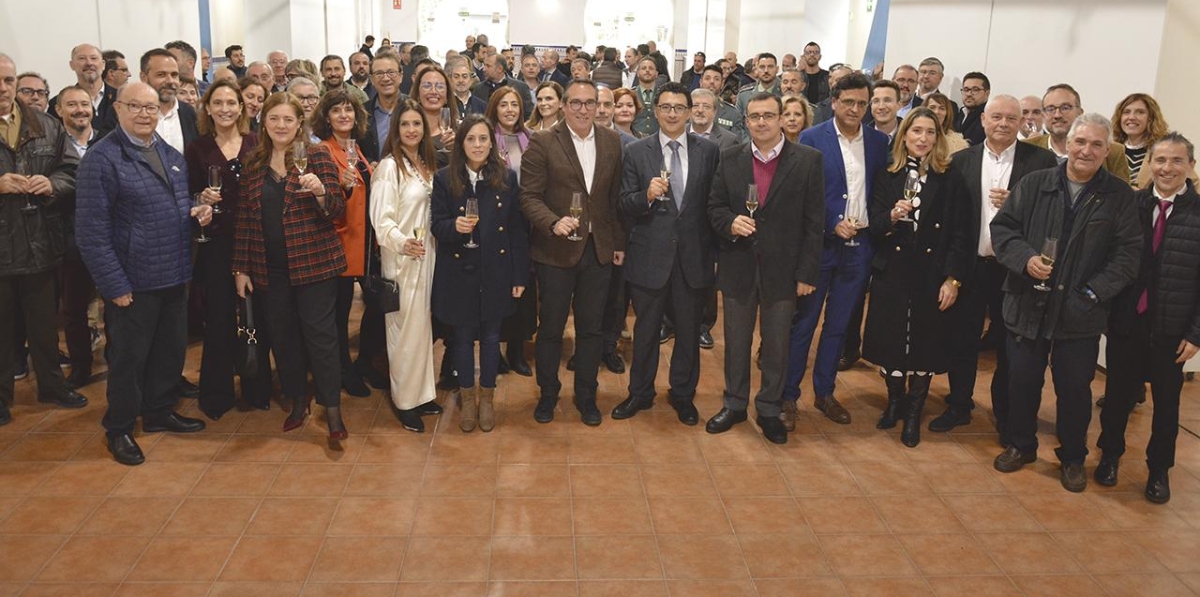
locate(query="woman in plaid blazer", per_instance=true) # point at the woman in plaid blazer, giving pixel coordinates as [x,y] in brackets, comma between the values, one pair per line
[286,246]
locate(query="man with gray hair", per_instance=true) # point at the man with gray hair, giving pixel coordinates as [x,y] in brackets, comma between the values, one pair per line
[703,122]
[261,71]
[1070,240]
[278,61]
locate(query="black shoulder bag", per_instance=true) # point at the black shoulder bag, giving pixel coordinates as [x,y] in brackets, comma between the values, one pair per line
[384,293]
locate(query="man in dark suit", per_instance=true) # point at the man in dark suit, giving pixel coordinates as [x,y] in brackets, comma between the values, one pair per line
[975,92]
[495,76]
[766,259]
[854,154]
[670,258]
[989,171]
[574,157]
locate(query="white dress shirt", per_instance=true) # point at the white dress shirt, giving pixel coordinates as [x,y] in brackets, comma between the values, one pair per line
[1159,198]
[995,174]
[854,156]
[170,129]
[585,148]
[663,139]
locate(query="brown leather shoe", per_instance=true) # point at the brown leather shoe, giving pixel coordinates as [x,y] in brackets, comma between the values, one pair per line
[788,415]
[833,409]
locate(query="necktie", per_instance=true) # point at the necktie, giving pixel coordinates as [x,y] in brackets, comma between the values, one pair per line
[677,188]
[1160,230]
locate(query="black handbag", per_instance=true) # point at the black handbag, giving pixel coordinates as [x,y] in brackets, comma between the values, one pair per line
[247,341]
[382,292]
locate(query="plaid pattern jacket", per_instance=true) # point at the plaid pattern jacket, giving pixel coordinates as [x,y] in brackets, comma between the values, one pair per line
[314,251]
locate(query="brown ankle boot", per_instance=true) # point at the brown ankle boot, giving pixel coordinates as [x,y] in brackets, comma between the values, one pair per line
[487,412]
[470,408]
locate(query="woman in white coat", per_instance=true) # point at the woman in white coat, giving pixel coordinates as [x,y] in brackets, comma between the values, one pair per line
[400,190]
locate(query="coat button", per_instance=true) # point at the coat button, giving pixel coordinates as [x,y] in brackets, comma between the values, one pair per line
[502,229]
[499,205]
[462,209]
[501,251]
[897,249]
[845,196]
[937,225]
[1060,286]
[928,251]
[456,256]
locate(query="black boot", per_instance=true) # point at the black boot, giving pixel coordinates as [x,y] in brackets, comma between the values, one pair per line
[895,403]
[516,359]
[918,390]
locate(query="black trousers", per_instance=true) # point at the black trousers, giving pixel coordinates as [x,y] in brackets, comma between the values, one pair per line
[372,338]
[984,291]
[1131,360]
[77,293]
[1073,368]
[33,294]
[616,307]
[218,362]
[304,336]
[775,327]
[149,345]
[650,305]
[708,316]
[583,289]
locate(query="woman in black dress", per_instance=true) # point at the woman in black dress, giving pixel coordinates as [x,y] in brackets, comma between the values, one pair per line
[921,253]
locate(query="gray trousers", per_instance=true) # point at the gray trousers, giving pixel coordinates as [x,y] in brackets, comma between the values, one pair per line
[775,321]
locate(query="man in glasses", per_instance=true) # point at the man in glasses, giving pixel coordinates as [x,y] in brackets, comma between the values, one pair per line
[460,83]
[854,154]
[816,79]
[573,249]
[1061,106]
[496,76]
[32,91]
[976,89]
[385,76]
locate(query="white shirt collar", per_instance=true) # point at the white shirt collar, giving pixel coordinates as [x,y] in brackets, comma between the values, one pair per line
[770,154]
[138,142]
[591,136]
[663,139]
[173,112]
[1007,155]
[853,139]
[1159,197]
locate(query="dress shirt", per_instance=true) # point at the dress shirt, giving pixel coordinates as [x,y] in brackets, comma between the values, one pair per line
[663,139]
[854,156]
[585,148]
[10,126]
[383,121]
[758,155]
[170,129]
[1158,198]
[995,174]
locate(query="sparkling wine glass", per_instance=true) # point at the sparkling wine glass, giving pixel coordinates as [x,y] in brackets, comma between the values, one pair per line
[665,173]
[472,215]
[199,201]
[912,186]
[576,213]
[1049,252]
[752,199]
[352,158]
[23,170]
[214,183]
[419,235]
[300,157]
[446,124]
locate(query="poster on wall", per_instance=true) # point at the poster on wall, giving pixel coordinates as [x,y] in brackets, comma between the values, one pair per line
[396,4]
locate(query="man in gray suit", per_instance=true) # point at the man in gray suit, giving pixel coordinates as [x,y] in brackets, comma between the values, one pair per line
[664,196]
[704,111]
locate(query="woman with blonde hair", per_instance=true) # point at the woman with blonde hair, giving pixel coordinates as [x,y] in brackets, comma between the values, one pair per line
[920,255]
[797,116]
[1137,123]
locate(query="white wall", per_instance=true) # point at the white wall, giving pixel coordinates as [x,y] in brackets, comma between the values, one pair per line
[1177,86]
[784,28]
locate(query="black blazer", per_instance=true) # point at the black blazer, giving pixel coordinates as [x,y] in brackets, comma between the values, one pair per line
[970,124]
[968,166]
[660,232]
[786,248]
[937,247]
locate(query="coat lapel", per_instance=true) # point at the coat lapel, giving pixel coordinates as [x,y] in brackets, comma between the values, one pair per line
[787,162]
[567,145]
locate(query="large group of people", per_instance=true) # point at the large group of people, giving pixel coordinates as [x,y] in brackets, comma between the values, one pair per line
[486,199]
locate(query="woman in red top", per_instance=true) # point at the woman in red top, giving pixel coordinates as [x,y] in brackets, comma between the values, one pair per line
[338,121]
[287,248]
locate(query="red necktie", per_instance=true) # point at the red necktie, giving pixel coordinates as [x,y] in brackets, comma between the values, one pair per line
[1160,230]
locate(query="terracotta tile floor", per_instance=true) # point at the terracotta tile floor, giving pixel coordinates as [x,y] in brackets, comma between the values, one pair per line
[639,508]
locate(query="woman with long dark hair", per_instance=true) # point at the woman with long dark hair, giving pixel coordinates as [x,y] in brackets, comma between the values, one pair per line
[483,261]
[920,255]
[287,248]
[432,92]
[548,109]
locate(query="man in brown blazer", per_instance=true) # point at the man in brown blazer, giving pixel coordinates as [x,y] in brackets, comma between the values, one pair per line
[1061,105]
[573,254]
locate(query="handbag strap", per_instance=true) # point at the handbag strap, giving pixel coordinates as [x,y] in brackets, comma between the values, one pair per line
[369,240]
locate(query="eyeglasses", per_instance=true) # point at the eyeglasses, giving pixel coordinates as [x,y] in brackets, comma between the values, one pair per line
[673,108]
[390,74]
[32,91]
[1064,108]
[765,117]
[812,52]
[308,99]
[139,108]
[972,90]
[702,106]
[433,86]
[581,105]
[849,104]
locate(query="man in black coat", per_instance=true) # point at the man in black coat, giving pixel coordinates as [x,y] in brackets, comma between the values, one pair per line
[1057,300]
[1155,324]
[989,171]
[976,89]
[669,257]
[765,261]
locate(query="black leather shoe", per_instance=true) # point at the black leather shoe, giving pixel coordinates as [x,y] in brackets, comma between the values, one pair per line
[1011,460]
[665,334]
[1073,477]
[5,414]
[706,339]
[588,412]
[613,362]
[848,360]
[953,417]
[71,399]
[352,383]
[375,378]
[772,429]
[430,408]
[629,407]
[1106,472]
[188,389]
[1158,487]
[571,363]
[724,420]
[686,410]
[173,422]
[503,367]
[544,412]
[79,378]
[410,419]
[520,367]
[125,450]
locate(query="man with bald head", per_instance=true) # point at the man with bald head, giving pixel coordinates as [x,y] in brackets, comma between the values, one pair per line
[989,171]
[134,181]
[905,78]
[262,72]
[1032,118]
[87,63]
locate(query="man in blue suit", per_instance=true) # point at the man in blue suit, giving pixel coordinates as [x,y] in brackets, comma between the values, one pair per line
[854,154]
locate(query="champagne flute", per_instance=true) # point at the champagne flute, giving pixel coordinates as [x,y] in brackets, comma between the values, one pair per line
[300,157]
[419,235]
[352,158]
[199,201]
[752,199]
[1049,252]
[912,186]
[446,124]
[576,213]
[214,183]
[857,224]
[472,215]
[665,173]
[23,170]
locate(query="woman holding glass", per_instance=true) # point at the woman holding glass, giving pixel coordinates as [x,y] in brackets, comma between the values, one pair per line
[215,162]
[400,191]
[626,105]
[504,113]
[483,256]
[433,95]
[338,120]
[286,247]
[549,108]
[921,251]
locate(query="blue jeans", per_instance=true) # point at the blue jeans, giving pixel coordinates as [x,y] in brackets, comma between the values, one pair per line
[842,279]
[462,353]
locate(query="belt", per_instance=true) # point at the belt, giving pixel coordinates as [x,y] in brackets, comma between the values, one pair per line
[985,259]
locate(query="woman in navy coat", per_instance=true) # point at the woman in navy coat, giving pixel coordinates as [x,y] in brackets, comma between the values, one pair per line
[475,288]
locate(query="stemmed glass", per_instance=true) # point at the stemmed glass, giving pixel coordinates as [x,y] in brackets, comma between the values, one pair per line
[199,201]
[419,235]
[472,215]
[577,213]
[446,124]
[912,186]
[752,199]
[1049,251]
[23,170]
[352,158]
[214,183]
[665,172]
[300,157]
